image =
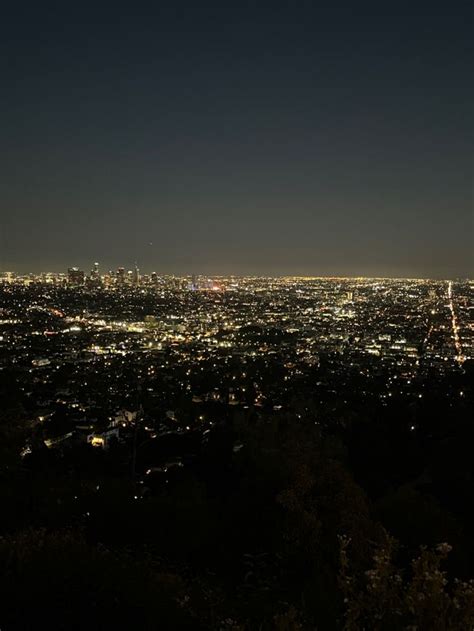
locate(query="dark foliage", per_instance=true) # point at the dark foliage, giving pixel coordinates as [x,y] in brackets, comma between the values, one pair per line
[247,537]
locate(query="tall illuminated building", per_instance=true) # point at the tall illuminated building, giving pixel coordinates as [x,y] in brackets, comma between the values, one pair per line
[94,276]
[121,276]
[136,276]
[95,271]
[75,277]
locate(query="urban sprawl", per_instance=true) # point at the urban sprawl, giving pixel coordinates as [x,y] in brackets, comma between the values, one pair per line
[101,357]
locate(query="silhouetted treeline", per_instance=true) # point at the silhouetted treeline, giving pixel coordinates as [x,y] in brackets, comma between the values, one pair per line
[269,522]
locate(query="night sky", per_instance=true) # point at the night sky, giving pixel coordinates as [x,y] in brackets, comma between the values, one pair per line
[242,137]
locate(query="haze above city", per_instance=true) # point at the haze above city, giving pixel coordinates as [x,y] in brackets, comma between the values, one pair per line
[237,139]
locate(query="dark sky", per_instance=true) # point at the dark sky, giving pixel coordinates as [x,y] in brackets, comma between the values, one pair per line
[248,137]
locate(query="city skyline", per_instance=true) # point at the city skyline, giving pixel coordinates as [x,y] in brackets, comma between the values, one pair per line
[107,269]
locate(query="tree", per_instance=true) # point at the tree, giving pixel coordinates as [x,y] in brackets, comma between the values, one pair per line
[55,580]
[384,598]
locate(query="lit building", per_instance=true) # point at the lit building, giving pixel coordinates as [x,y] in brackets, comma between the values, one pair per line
[136,276]
[121,276]
[75,276]
[95,272]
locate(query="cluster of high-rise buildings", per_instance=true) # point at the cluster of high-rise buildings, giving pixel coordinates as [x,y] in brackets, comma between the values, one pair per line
[130,278]
[77,277]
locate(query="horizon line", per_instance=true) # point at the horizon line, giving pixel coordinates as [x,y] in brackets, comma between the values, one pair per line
[261,275]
